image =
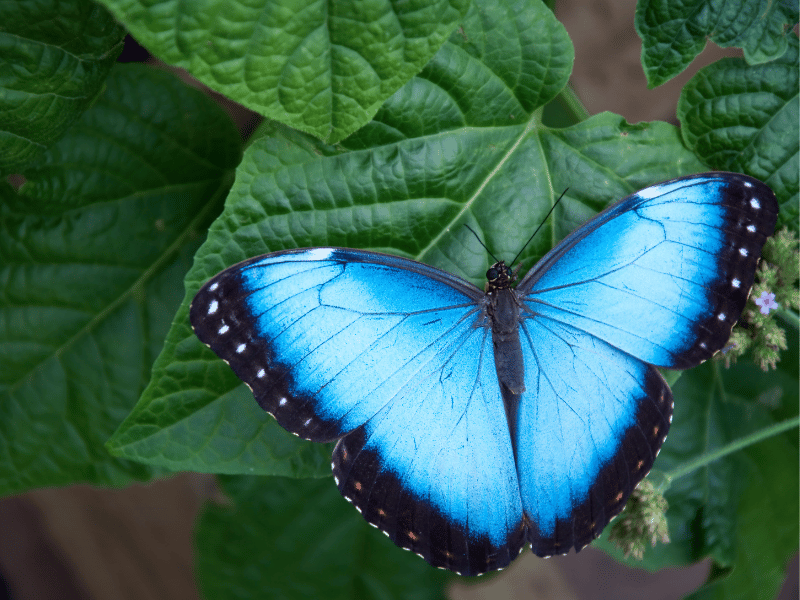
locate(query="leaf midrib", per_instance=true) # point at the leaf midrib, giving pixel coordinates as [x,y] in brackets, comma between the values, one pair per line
[532,123]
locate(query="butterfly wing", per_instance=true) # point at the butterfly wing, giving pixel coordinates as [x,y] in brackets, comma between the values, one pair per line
[435,468]
[659,278]
[664,274]
[589,426]
[393,358]
[392,355]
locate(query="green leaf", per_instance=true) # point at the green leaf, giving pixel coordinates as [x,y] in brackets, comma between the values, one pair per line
[54,58]
[300,539]
[675,32]
[744,118]
[496,70]
[321,67]
[93,252]
[766,530]
[412,197]
[764,534]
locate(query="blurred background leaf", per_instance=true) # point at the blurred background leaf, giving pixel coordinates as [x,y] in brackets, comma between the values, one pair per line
[93,250]
[318,547]
[54,58]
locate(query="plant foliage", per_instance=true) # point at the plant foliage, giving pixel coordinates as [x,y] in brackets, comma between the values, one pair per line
[391,125]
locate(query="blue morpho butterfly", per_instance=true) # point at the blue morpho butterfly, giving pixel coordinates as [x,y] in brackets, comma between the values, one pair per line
[472,423]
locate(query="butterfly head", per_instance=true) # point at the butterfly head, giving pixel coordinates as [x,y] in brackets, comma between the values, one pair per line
[499,277]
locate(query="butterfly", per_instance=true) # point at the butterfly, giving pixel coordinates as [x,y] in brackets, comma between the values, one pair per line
[471,423]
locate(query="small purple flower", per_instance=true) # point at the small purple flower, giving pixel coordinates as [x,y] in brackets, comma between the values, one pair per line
[767,302]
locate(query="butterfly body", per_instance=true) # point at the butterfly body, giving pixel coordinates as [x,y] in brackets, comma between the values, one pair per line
[471,423]
[503,313]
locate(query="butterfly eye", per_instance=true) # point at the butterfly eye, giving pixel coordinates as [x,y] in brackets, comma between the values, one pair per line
[492,274]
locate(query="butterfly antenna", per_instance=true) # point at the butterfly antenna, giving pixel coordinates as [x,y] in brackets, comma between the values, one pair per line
[480,241]
[530,239]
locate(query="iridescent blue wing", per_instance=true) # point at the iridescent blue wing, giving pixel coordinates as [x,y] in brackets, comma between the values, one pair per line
[434,468]
[396,357]
[664,274]
[588,428]
[658,278]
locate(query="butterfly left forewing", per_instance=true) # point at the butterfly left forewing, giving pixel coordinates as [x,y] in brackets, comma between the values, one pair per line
[321,335]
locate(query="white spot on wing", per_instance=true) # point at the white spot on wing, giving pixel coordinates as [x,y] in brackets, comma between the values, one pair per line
[213,286]
[743,251]
[736,283]
[650,192]
[261,373]
[212,308]
[721,316]
[282,402]
[751,228]
[319,253]
[240,348]
[755,203]
[223,330]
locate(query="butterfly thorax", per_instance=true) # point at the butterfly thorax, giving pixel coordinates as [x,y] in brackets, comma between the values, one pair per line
[503,307]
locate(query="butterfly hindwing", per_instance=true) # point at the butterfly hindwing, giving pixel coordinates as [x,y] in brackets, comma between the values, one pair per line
[589,426]
[663,274]
[435,468]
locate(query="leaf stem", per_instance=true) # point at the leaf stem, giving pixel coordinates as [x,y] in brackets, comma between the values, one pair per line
[709,457]
[572,104]
[789,317]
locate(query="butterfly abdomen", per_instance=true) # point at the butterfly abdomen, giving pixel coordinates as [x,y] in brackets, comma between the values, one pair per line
[504,315]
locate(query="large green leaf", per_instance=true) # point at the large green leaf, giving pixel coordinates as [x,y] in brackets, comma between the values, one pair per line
[93,251]
[413,197]
[54,58]
[321,67]
[744,118]
[300,539]
[674,32]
